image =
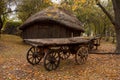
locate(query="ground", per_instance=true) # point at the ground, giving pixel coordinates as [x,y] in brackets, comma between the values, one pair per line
[14,66]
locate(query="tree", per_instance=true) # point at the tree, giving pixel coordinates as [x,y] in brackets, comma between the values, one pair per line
[115,21]
[29,7]
[116,6]
[2,9]
[93,19]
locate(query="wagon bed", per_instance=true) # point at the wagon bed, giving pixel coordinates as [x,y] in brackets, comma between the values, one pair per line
[57,41]
[52,50]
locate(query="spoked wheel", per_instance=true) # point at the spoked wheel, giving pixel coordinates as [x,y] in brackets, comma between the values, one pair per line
[52,60]
[64,53]
[91,45]
[34,55]
[81,55]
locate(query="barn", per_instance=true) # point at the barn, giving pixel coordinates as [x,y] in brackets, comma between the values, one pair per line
[51,22]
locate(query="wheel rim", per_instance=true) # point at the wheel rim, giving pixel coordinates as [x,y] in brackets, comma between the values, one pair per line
[81,55]
[52,60]
[64,53]
[34,55]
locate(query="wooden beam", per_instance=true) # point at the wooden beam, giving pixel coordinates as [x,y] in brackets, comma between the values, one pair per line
[57,41]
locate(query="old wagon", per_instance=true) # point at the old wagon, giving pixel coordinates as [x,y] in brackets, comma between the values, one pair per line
[54,34]
[52,50]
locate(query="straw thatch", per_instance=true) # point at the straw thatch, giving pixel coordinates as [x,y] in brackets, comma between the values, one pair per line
[53,14]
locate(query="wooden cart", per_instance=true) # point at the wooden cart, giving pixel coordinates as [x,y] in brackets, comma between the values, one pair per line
[54,49]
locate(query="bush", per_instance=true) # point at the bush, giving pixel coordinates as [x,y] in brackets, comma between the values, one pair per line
[11,28]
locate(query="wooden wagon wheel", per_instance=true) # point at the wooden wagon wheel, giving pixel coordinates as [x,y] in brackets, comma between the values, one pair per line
[81,55]
[91,45]
[34,55]
[64,53]
[52,60]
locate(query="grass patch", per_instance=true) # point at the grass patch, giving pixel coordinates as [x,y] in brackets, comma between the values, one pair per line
[12,46]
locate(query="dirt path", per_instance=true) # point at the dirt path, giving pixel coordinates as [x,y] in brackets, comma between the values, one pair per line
[13,64]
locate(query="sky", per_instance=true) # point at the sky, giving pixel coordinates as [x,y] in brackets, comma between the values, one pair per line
[13,14]
[56,1]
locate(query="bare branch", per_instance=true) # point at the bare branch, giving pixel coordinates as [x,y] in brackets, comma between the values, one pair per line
[9,12]
[106,12]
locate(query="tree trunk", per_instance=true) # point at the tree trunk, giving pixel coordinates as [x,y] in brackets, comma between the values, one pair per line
[1,25]
[117,30]
[116,6]
[116,22]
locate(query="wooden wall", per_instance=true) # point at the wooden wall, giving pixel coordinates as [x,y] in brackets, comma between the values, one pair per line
[38,31]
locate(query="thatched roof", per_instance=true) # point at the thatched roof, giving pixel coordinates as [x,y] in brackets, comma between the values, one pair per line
[53,14]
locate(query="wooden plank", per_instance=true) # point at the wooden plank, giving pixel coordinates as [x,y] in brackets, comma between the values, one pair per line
[56,41]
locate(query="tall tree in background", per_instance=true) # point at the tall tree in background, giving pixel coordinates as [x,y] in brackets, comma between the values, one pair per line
[115,21]
[2,10]
[94,20]
[29,7]
[5,10]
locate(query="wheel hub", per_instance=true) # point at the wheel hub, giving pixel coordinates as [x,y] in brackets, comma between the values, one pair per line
[35,54]
[52,60]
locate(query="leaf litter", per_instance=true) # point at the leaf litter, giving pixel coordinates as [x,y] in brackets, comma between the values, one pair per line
[14,66]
